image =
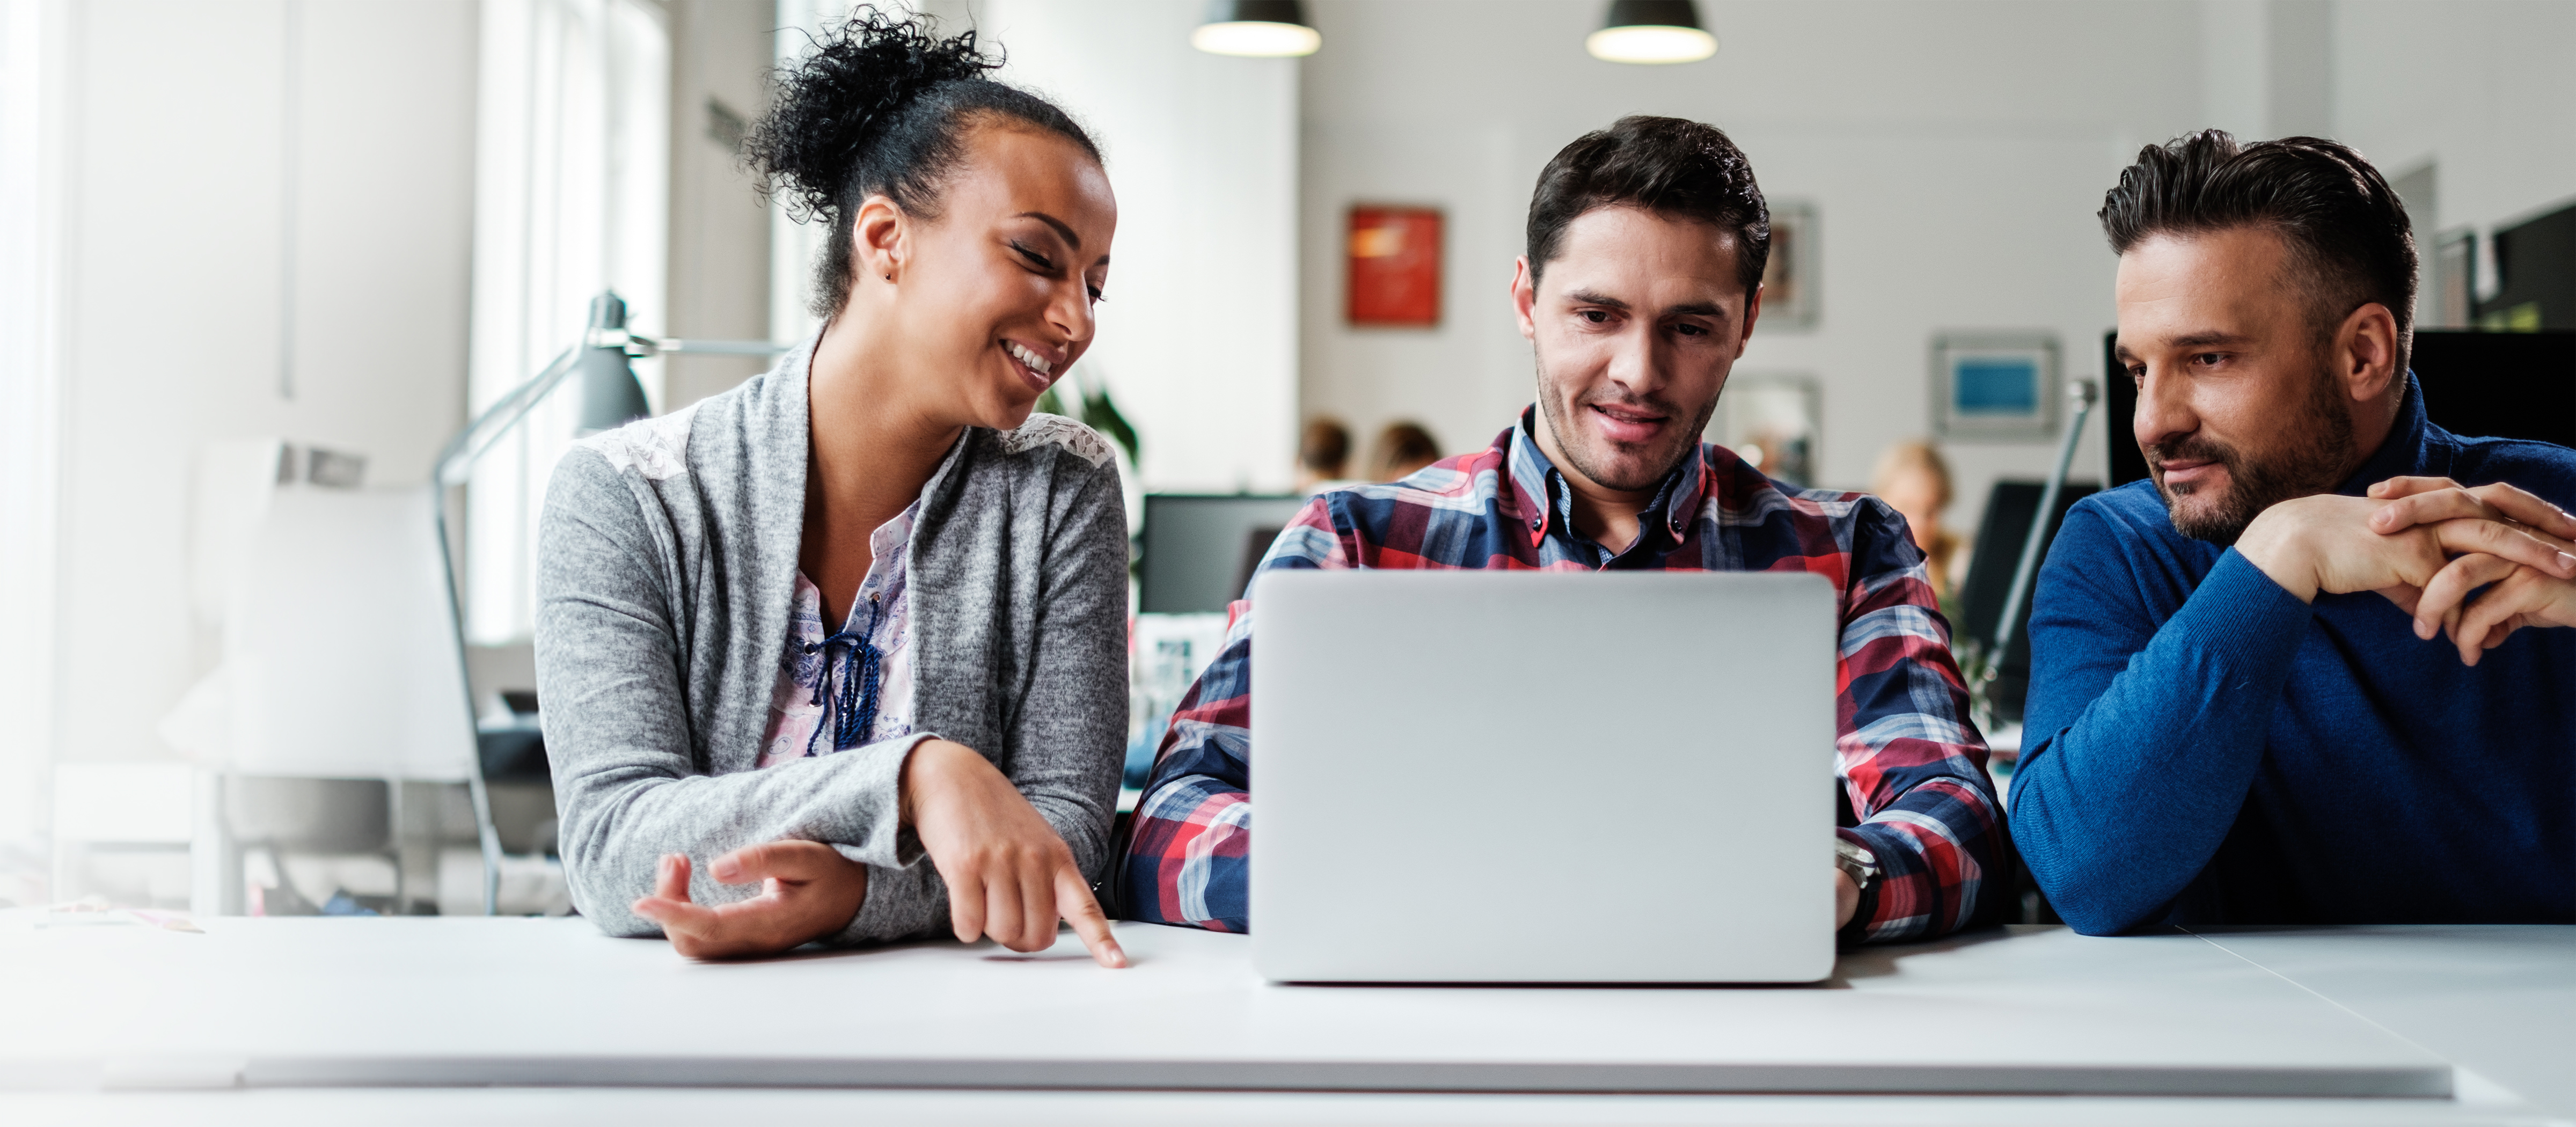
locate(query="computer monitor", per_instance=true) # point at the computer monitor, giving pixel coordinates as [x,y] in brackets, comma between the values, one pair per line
[2009,511]
[1200,548]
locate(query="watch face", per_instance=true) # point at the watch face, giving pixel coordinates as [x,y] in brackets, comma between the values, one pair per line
[1855,860]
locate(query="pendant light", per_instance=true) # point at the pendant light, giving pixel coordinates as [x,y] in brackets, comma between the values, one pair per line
[1651,31]
[1267,29]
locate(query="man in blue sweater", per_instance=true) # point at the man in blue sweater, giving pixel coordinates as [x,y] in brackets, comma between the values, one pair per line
[2309,673]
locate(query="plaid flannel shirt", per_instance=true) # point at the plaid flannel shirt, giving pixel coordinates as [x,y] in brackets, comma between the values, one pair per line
[1911,763]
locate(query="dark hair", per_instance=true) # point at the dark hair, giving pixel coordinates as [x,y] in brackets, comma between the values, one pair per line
[1405,444]
[2346,230]
[1665,165]
[1325,448]
[882,106]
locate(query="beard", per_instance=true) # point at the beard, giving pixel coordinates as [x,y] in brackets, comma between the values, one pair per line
[2309,460]
[1599,465]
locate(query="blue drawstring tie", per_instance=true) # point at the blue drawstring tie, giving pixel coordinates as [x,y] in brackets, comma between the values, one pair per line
[862,667]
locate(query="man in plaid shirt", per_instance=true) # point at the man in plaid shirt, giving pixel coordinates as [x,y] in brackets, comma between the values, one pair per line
[1640,285]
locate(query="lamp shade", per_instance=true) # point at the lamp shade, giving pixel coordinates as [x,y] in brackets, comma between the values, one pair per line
[610,395]
[1651,31]
[1256,28]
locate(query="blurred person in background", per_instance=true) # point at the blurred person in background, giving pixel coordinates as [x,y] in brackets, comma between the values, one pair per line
[1914,480]
[1403,448]
[1323,455]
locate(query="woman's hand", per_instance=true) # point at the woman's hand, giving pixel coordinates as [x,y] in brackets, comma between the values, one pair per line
[812,891]
[1009,875]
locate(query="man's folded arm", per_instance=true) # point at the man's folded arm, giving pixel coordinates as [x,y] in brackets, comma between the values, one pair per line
[2141,742]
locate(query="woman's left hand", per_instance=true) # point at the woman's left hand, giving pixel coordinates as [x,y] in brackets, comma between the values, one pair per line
[811,892]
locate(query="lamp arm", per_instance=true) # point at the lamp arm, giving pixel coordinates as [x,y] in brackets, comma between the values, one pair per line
[721,347]
[487,428]
[2085,392]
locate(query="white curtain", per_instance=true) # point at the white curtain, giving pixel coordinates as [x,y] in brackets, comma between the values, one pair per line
[572,196]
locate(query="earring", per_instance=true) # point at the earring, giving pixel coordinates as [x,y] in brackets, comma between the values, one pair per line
[889,277]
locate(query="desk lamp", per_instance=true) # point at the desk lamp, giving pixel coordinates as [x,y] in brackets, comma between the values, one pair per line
[610,398]
[2085,393]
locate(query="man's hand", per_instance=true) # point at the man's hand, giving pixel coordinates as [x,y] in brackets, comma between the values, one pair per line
[2330,544]
[811,892]
[2521,595]
[1009,875]
[1846,899]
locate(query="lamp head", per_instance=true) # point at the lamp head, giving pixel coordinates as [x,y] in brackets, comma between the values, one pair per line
[610,395]
[1256,28]
[1651,31]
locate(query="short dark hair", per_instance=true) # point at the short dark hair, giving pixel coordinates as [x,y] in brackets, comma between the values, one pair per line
[1404,444]
[2345,228]
[883,105]
[1665,165]
[1325,447]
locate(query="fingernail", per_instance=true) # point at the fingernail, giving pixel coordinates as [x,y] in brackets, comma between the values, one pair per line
[726,868]
[2566,562]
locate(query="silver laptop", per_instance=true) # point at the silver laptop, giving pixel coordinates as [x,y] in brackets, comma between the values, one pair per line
[1490,776]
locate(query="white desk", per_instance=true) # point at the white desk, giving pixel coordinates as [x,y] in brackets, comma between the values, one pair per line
[305,1003]
[2499,1000]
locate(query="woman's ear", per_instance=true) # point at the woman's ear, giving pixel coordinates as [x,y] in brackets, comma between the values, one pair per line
[880,239]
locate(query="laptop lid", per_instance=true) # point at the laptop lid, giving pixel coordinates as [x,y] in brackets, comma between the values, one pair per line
[1489,776]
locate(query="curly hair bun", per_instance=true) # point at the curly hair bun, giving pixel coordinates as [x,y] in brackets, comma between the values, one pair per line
[883,106]
[842,97]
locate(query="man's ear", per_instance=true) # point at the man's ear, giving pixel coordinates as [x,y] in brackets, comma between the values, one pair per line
[1752,313]
[2366,352]
[1524,297]
[880,240]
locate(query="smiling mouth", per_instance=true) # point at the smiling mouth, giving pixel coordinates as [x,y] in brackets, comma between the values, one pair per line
[2186,476]
[1037,369]
[1627,424]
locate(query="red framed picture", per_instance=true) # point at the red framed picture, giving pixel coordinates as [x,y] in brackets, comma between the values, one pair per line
[1395,266]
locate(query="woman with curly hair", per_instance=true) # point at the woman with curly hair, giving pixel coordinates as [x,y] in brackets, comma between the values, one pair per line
[865,610]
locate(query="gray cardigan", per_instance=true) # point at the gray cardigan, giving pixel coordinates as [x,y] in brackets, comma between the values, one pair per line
[667,559]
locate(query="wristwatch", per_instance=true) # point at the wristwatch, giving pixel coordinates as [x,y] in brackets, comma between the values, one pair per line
[1856,862]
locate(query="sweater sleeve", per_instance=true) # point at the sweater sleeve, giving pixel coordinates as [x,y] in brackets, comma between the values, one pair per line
[1068,726]
[628,785]
[2141,741]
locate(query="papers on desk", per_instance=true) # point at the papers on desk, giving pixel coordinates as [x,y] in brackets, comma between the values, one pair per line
[95,911]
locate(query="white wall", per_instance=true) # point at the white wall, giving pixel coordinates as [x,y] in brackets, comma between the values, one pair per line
[1956,154]
[720,51]
[193,294]
[2486,92]
[1198,338]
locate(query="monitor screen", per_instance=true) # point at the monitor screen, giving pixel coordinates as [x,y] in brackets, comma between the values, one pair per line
[1200,549]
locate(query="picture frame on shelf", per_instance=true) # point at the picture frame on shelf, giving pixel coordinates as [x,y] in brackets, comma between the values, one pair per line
[1792,279]
[1996,386]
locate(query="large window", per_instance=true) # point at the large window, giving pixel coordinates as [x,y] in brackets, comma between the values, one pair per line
[572,197]
[32,38]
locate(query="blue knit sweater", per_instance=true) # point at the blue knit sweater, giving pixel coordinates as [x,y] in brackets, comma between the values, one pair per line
[2201,747]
